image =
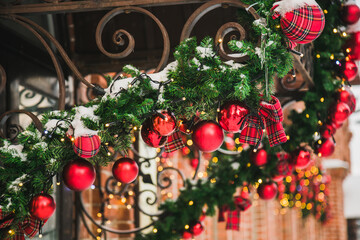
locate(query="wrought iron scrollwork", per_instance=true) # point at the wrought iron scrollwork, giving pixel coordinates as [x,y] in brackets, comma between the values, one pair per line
[2,79]
[118,36]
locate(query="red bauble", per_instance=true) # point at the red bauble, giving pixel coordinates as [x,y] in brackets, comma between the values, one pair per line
[42,206]
[150,137]
[87,146]
[231,115]
[267,190]
[196,228]
[259,158]
[324,147]
[345,95]
[348,70]
[125,170]
[164,124]
[352,46]
[187,235]
[79,174]
[194,163]
[327,130]
[208,136]
[301,158]
[350,14]
[339,112]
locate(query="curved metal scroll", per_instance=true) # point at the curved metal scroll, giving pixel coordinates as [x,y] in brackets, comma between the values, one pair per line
[118,35]
[224,29]
[2,79]
[36,121]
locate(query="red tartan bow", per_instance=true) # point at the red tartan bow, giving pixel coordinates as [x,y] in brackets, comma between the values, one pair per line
[253,124]
[233,216]
[174,142]
[29,226]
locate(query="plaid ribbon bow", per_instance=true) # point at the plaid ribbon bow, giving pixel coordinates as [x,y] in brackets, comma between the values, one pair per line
[283,166]
[29,226]
[252,127]
[233,216]
[174,142]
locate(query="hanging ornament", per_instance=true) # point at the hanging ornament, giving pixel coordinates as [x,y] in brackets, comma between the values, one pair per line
[186,235]
[42,206]
[327,130]
[196,228]
[164,123]
[150,137]
[352,46]
[350,14]
[300,22]
[194,163]
[87,146]
[324,147]
[301,158]
[231,116]
[267,190]
[79,174]
[208,136]
[259,158]
[345,95]
[339,112]
[125,170]
[347,70]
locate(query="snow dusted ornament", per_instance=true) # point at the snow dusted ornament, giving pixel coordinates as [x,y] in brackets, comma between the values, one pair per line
[302,21]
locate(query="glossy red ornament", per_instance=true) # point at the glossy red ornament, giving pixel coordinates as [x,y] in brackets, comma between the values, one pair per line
[259,158]
[345,95]
[339,112]
[208,136]
[87,146]
[324,147]
[150,137]
[194,163]
[350,14]
[352,46]
[186,235]
[125,170]
[164,124]
[301,158]
[231,116]
[196,228]
[348,70]
[42,206]
[79,174]
[327,130]
[267,190]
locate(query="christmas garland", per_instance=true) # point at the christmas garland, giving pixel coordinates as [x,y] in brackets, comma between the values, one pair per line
[193,87]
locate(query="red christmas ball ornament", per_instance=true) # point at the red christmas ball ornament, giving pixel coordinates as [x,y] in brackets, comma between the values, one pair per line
[87,146]
[164,123]
[259,158]
[345,95]
[196,228]
[350,14]
[194,163]
[208,136]
[42,206]
[151,137]
[347,69]
[79,174]
[125,170]
[186,235]
[267,190]
[231,116]
[301,158]
[352,46]
[327,130]
[339,112]
[324,147]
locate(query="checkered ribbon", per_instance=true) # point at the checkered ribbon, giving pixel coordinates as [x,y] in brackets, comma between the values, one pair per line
[302,25]
[273,115]
[282,165]
[252,129]
[233,216]
[174,142]
[29,226]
